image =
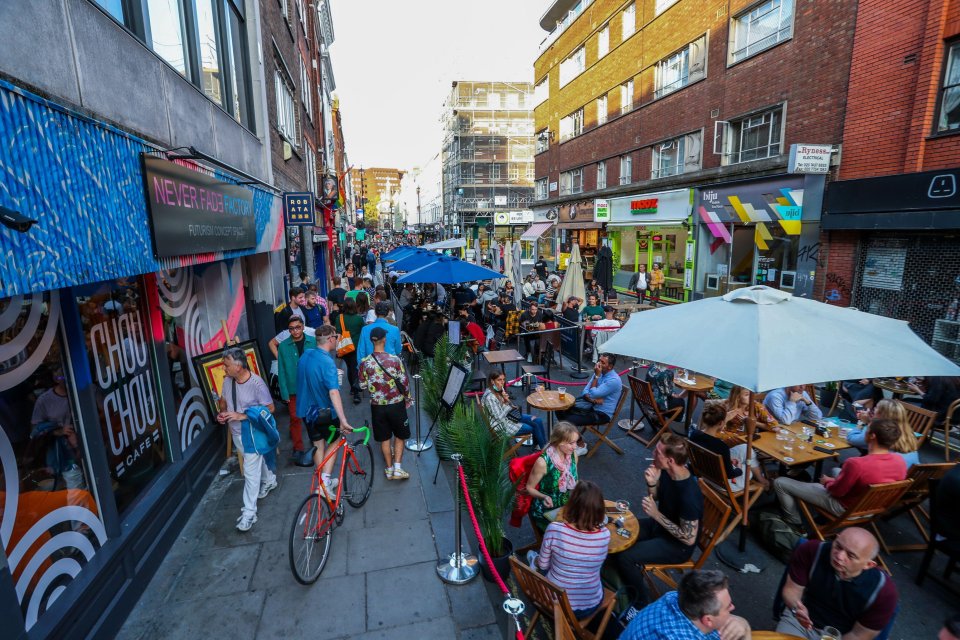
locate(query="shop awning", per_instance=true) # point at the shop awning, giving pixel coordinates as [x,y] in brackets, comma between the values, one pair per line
[536,230]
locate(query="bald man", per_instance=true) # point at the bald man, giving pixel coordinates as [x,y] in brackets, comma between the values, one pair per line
[838,584]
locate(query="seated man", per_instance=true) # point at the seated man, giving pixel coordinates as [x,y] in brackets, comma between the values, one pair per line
[836,495]
[600,397]
[837,584]
[790,404]
[734,457]
[674,509]
[700,609]
[601,335]
[531,320]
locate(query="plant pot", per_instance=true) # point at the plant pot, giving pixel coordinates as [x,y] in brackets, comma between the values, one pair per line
[501,563]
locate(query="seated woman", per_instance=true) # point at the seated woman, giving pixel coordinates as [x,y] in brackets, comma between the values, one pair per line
[554,474]
[666,394]
[497,404]
[707,436]
[906,445]
[738,407]
[573,551]
[861,392]
[937,394]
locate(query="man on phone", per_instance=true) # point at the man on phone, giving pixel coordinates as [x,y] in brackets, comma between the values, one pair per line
[600,397]
[792,404]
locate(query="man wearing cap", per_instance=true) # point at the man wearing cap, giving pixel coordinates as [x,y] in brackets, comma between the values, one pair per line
[383,375]
[393,345]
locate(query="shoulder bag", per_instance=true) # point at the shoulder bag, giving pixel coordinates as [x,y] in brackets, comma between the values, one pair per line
[345,345]
[403,389]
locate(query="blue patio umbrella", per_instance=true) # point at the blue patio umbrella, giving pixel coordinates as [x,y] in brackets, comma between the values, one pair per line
[399,252]
[411,261]
[448,270]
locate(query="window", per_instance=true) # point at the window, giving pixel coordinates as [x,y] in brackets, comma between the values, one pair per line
[541,185]
[285,8]
[626,96]
[113,7]
[543,140]
[662,5]
[681,68]
[760,28]
[950,91]
[310,165]
[236,48]
[601,110]
[541,91]
[677,156]
[753,138]
[306,95]
[209,59]
[572,66]
[602,174]
[626,169]
[572,125]
[493,100]
[571,182]
[167,35]
[629,21]
[603,41]
[286,109]
[303,15]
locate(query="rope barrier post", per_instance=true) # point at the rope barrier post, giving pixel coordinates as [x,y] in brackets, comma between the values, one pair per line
[580,374]
[461,568]
[416,444]
[514,608]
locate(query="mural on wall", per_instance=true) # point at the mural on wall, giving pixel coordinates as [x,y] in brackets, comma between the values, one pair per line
[83,183]
[760,204]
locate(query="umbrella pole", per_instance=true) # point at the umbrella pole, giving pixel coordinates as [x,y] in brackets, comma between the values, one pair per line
[751,427]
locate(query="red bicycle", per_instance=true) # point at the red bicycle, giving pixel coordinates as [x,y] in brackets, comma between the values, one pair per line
[320,514]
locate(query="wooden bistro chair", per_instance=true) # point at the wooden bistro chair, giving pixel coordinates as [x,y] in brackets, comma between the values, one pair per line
[602,431]
[658,420]
[561,628]
[911,503]
[709,467]
[921,421]
[544,595]
[952,419]
[876,500]
[512,445]
[716,513]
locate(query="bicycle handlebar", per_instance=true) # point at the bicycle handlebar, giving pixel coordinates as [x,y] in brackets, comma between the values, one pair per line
[334,429]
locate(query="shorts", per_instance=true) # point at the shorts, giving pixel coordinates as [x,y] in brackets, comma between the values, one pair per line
[321,432]
[389,420]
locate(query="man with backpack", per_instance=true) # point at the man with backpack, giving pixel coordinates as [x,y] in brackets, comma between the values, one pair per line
[383,375]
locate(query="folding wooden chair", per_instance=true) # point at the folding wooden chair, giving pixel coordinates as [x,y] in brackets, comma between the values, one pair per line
[921,421]
[911,503]
[543,595]
[561,627]
[716,513]
[517,441]
[602,431]
[877,499]
[708,466]
[649,412]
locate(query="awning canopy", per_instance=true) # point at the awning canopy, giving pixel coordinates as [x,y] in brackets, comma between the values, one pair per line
[452,243]
[536,230]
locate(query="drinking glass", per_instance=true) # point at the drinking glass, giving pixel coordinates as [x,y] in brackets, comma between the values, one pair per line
[829,633]
[563,392]
[787,445]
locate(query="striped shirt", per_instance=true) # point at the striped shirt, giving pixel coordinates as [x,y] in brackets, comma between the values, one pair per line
[573,559]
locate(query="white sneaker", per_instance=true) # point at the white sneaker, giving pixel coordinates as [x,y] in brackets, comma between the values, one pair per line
[246,522]
[329,488]
[581,451]
[388,472]
[267,488]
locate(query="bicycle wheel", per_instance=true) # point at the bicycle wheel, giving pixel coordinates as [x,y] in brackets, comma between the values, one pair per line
[310,540]
[359,474]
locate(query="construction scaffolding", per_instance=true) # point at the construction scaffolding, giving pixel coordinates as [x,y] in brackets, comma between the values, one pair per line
[487,157]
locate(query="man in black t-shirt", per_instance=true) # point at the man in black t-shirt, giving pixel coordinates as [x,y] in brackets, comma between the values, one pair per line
[540,266]
[674,510]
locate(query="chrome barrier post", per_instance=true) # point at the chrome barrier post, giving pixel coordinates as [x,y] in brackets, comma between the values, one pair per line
[416,444]
[461,567]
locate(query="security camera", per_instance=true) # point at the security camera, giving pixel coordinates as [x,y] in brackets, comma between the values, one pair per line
[16,220]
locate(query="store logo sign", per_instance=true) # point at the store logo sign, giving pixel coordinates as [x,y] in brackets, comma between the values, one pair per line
[942,186]
[501,217]
[648,205]
[601,211]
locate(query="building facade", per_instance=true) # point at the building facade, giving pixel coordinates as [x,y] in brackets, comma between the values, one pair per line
[891,241]
[664,130]
[375,185]
[487,159]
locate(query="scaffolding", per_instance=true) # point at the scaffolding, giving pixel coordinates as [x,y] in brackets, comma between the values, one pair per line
[488,150]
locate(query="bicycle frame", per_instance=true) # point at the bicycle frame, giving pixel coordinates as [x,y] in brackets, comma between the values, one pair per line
[346,453]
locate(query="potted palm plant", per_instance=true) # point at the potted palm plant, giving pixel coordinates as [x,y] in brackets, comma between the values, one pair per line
[434,376]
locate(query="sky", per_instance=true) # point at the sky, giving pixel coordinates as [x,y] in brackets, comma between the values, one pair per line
[393,63]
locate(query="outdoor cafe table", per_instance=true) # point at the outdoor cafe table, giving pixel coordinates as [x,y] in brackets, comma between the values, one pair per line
[698,385]
[617,542]
[772,635]
[550,401]
[768,444]
[502,357]
[897,387]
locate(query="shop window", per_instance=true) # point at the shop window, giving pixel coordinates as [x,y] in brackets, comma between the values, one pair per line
[950,91]
[759,28]
[114,317]
[681,68]
[49,514]
[754,137]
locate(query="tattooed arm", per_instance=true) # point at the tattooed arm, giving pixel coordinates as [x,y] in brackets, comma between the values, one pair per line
[685,532]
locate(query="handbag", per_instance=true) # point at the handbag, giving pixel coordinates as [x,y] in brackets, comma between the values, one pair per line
[514,415]
[345,345]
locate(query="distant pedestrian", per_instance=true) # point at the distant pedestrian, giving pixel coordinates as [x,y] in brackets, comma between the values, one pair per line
[638,283]
[655,284]
[243,390]
[371,261]
[289,353]
[383,375]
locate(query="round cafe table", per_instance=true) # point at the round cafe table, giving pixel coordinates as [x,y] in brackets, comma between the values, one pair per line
[698,386]
[772,635]
[550,401]
[617,542]
[897,387]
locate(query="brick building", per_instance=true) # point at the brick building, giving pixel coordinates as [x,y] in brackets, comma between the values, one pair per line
[375,185]
[677,121]
[892,230]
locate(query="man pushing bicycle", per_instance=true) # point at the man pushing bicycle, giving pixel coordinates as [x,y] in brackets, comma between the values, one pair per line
[318,399]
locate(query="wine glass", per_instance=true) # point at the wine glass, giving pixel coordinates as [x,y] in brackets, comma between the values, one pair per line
[829,633]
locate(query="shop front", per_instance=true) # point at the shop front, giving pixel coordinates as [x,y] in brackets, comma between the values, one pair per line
[903,234]
[654,228]
[541,233]
[759,232]
[134,267]
[511,225]
[576,224]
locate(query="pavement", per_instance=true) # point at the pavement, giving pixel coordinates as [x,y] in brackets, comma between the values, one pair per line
[380,582]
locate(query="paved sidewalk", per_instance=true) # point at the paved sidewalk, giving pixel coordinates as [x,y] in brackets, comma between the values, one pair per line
[380,581]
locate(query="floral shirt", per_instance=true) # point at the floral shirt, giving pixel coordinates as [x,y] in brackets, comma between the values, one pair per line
[382,387]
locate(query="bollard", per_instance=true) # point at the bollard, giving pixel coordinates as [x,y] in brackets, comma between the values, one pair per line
[514,608]
[461,567]
[416,444]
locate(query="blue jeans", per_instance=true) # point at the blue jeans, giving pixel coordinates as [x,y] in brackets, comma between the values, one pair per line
[533,426]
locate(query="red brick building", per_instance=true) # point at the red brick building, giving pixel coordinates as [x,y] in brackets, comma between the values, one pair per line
[892,223]
[664,130]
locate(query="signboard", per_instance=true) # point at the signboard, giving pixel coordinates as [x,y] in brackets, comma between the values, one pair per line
[645,205]
[516,217]
[191,212]
[809,158]
[298,209]
[501,218]
[601,211]
[553,186]
[500,201]
[660,207]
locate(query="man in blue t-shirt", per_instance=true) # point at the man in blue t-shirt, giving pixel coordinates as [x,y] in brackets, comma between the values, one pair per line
[318,387]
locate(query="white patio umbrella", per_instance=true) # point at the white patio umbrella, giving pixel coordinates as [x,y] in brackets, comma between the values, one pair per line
[508,264]
[572,284]
[516,273]
[762,339]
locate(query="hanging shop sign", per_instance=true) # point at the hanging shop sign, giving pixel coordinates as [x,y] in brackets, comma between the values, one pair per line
[501,218]
[601,211]
[646,205]
[810,158]
[191,212]
[298,209]
[330,190]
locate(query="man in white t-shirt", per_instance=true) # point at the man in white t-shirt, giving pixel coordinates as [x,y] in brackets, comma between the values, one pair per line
[602,335]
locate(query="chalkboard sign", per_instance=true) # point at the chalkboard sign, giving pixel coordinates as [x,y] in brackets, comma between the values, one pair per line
[451,390]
